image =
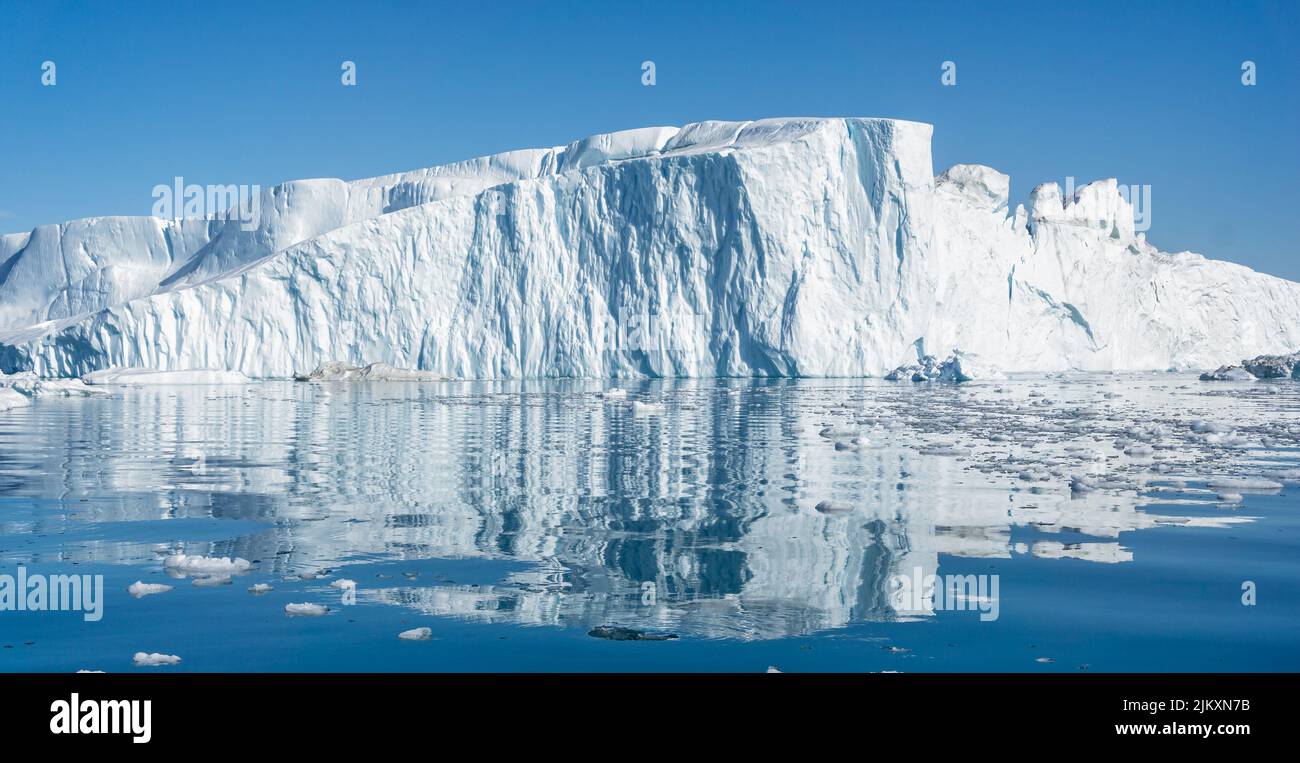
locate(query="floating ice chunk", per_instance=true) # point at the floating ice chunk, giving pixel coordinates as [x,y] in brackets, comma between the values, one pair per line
[337,371]
[83,670]
[646,409]
[416,634]
[145,376]
[834,507]
[618,633]
[1274,366]
[958,367]
[1231,497]
[773,669]
[1082,484]
[944,450]
[1209,427]
[1138,451]
[343,584]
[153,659]
[31,385]
[139,589]
[1289,476]
[186,564]
[260,588]
[305,610]
[10,399]
[613,394]
[1243,483]
[1226,440]
[1228,373]
[966,366]
[836,433]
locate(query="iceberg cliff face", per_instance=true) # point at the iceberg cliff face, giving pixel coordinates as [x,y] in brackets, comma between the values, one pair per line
[814,247]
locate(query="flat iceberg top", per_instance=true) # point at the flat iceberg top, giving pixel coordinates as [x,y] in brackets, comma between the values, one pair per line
[81,266]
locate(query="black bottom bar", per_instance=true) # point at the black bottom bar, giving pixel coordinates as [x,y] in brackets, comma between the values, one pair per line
[302,711]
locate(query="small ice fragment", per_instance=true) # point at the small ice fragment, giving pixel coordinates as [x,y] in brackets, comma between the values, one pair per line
[139,589]
[646,409]
[773,669]
[945,450]
[260,588]
[305,610]
[343,584]
[186,564]
[613,394]
[1044,659]
[1235,483]
[416,634]
[152,659]
[834,507]
[1081,484]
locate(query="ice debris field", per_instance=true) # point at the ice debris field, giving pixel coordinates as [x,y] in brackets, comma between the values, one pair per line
[392,514]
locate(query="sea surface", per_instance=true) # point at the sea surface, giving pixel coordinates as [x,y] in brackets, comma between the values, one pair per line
[1087,522]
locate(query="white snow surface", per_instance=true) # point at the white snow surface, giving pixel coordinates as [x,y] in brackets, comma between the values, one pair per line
[779,247]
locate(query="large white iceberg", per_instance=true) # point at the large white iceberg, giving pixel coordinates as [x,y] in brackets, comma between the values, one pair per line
[781,247]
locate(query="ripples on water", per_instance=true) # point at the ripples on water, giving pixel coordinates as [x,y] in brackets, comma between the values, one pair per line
[742,516]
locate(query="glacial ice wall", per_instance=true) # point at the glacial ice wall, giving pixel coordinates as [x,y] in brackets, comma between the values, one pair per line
[784,247]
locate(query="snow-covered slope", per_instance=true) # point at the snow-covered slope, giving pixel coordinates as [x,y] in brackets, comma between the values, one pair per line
[778,247]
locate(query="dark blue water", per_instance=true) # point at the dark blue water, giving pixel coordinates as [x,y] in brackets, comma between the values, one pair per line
[512,519]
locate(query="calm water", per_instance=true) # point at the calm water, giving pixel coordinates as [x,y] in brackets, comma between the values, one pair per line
[513,518]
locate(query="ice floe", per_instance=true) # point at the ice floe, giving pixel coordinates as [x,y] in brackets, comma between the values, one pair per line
[153,659]
[145,376]
[139,589]
[305,610]
[185,564]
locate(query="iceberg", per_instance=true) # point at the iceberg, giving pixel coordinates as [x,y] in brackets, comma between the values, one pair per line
[778,247]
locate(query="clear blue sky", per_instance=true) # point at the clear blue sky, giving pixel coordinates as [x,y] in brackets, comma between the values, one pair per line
[249,93]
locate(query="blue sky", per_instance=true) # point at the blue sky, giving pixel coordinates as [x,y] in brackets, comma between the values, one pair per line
[1150,93]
